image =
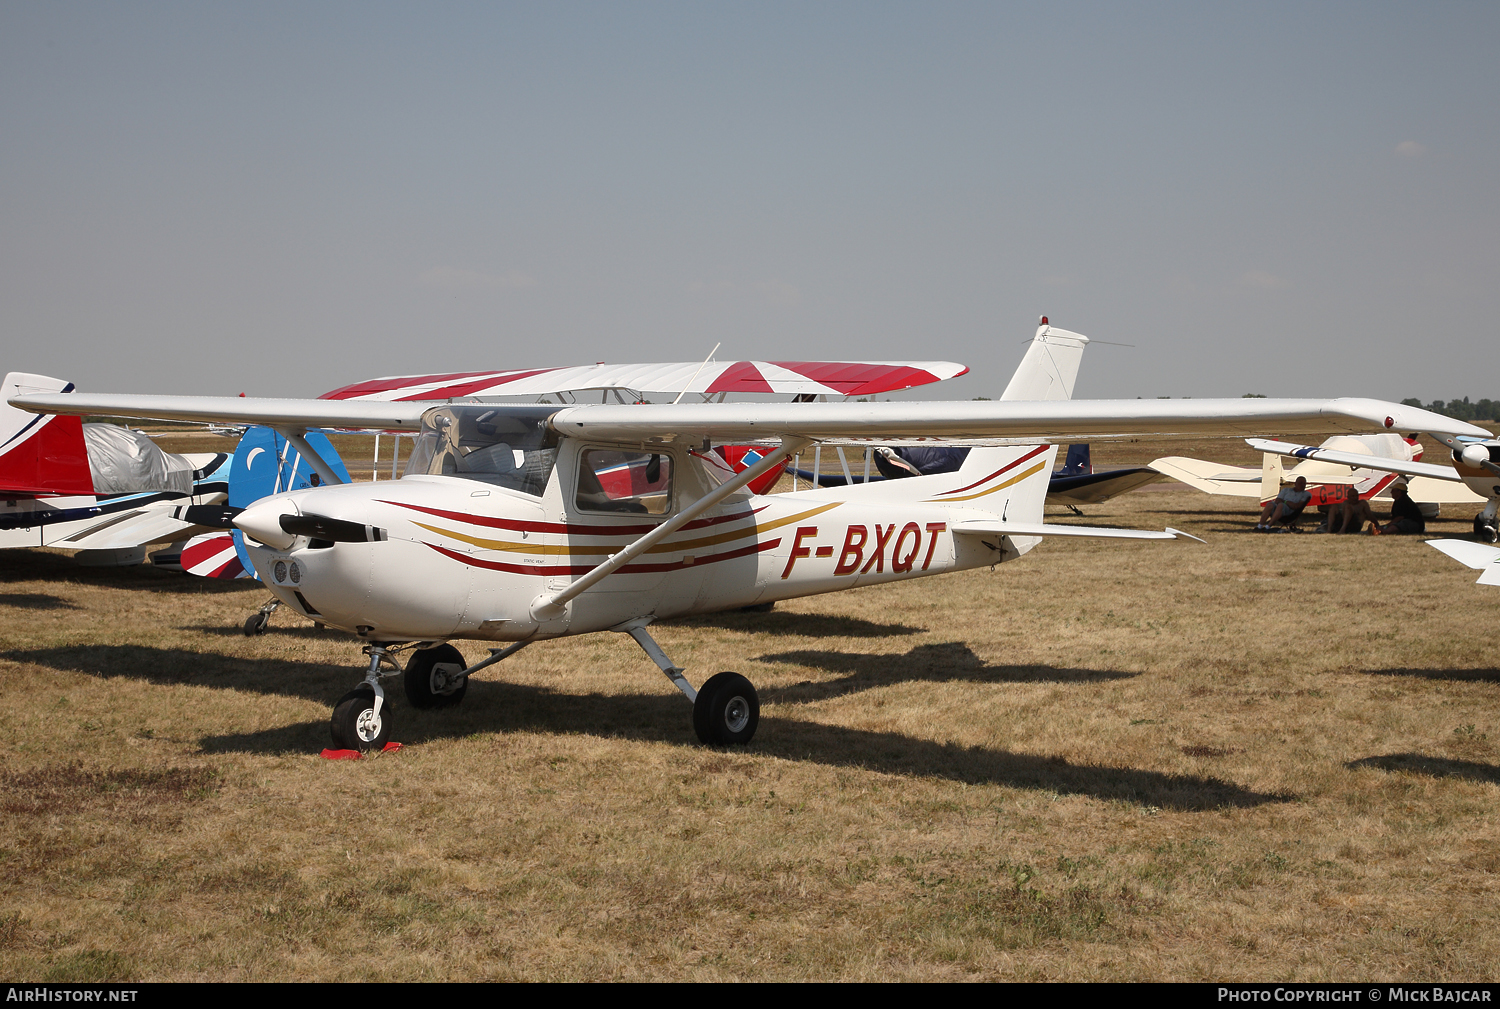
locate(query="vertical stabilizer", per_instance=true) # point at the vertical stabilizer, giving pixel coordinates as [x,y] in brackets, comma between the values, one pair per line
[1050,368]
[40,454]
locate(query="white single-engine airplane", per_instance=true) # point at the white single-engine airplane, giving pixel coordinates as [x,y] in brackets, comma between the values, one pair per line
[1476,466]
[1368,463]
[504,530]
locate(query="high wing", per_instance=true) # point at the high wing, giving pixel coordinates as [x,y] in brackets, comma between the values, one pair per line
[1430,483]
[731,423]
[277,413]
[988,419]
[1355,460]
[797,378]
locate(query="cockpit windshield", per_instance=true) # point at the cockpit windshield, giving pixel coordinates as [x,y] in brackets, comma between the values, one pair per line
[506,446]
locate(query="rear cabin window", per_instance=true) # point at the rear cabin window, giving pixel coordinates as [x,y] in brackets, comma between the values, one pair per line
[638,483]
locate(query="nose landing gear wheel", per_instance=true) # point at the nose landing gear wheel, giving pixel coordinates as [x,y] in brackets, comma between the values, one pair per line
[1484,531]
[727,710]
[356,726]
[433,678]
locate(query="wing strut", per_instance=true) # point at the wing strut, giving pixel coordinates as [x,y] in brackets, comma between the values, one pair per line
[295,436]
[549,605]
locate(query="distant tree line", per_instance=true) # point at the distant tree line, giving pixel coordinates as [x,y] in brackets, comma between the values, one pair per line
[1460,409]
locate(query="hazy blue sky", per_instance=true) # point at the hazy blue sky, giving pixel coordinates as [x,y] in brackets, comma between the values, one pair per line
[1293,199]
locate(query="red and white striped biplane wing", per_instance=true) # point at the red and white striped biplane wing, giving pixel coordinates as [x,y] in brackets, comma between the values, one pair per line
[790,378]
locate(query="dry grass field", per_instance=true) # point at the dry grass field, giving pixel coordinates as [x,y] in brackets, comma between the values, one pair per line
[1270,757]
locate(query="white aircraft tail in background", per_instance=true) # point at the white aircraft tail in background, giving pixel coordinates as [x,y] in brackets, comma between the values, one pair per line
[1049,371]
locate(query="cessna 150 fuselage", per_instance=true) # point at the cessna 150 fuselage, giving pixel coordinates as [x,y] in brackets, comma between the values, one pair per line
[519,523]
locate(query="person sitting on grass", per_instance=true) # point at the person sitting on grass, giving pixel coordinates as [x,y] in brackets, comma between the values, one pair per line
[1287,506]
[1350,514]
[1406,515]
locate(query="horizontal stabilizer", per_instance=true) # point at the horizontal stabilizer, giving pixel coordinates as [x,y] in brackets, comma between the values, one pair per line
[993,528]
[1210,477]
[1479,556]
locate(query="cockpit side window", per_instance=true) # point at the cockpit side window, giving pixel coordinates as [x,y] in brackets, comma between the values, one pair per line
[505,446]
[638,483]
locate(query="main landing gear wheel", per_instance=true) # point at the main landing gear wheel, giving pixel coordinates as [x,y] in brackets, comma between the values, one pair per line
[356,726]
[726,711]
[434,678]
[1484,531]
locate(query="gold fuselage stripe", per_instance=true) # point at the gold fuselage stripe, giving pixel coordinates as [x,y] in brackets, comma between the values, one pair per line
[999,486]
[574,548]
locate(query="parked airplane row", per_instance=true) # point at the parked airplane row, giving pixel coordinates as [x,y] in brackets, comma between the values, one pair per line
[516,523]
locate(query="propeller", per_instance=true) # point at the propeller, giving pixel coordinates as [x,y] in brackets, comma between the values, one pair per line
[214,516]
[324,527]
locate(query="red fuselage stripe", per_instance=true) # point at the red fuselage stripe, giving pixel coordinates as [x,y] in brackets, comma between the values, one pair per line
[580,569]
[565,528]
[1008,466]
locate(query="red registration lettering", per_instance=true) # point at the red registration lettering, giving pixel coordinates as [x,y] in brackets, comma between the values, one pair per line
[854,550]
[899,563]
[877,557]
[798,550]
[933,528]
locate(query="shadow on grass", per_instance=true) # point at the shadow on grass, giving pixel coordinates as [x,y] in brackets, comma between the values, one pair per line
[1490,675]
[937,663]
[1432,767]
[497,707]
[35,601]
[302,629]
[492,708]
[807,625]
[43,565]
[171,666]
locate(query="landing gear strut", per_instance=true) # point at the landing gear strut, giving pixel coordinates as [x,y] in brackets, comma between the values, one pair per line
[726,711]
[257,622]
[435,677]
[360,721]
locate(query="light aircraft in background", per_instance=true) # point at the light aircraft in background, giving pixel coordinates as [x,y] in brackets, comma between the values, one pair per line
[1366,462]
[503,531]
[1048,372]
[708,381]
[1475,472]
[104,490]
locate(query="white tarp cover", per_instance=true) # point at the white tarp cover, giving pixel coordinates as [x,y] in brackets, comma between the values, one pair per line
[123,461]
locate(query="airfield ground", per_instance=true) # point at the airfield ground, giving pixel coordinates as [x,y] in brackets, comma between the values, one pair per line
[1270,757]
